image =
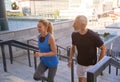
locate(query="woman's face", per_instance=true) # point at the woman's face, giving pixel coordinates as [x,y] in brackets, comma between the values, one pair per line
[41,27]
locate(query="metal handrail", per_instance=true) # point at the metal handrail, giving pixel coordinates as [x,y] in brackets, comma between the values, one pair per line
[99,67]
[37,41]
[17,43]
[25,46]
[14,43]
[116,56]
[91,74]
[22,45]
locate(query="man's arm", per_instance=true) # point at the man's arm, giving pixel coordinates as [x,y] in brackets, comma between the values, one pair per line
[103,52]
[72,52]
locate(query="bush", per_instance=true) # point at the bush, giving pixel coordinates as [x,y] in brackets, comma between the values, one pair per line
[106,34]
[15,13]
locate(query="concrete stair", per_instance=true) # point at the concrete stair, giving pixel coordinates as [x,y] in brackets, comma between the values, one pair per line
[19,71]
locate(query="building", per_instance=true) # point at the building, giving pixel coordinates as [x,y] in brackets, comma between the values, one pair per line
[39,7]
[64,8]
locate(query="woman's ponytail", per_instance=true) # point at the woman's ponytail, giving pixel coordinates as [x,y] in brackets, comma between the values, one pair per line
[50,28]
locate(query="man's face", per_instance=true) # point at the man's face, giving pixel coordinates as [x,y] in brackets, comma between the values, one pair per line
[76,26]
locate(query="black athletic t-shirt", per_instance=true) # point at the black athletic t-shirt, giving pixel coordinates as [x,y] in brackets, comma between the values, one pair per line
[87,47]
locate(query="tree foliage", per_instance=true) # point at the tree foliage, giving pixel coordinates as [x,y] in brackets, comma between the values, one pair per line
[14,6]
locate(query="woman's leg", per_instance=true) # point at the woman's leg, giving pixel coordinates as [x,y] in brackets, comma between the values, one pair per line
[39,73]
[51,74]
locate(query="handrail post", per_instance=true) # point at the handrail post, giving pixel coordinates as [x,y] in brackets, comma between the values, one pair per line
[35,61]
[91,77]
[57,49]
[109,69]
[68,52]
[68,49]
[11,54]
[28,51]
[72,65]
[72,71]
[4,58]
[116,71]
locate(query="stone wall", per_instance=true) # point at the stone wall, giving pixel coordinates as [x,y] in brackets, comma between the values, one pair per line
[31,33]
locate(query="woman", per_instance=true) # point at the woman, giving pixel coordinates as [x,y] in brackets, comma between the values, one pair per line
[86,42]
[47,53]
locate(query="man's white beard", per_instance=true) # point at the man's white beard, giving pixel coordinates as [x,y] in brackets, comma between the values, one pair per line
[77,30]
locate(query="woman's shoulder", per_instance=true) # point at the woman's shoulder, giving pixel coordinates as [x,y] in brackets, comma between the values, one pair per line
[50,36]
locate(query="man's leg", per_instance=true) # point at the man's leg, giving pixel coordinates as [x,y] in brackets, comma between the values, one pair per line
[82,72]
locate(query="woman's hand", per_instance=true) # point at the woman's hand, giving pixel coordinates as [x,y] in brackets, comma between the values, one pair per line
[38,54]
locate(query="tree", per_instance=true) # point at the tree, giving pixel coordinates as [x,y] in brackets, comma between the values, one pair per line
[14,6]
[56,13]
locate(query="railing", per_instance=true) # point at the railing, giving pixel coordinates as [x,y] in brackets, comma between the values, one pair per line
[99,67]
[14,43]
[91,74]
[27,47]
[116,56]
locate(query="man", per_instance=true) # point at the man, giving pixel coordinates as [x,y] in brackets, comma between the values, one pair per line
[86,42]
